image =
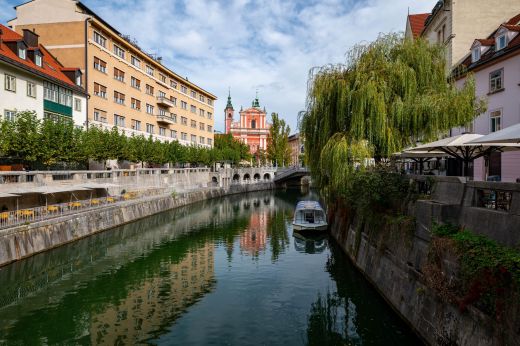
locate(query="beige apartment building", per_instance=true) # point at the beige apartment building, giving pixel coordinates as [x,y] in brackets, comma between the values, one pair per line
[456,23]
[128,88]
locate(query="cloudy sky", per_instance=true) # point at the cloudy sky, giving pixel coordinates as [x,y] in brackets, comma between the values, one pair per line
[245,45]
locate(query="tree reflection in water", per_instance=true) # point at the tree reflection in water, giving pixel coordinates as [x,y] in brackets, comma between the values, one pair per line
[323,327]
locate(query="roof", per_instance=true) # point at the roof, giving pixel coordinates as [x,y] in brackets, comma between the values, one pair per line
[308,205]
[509,135]
[50,69]
[491,54]
[417,22]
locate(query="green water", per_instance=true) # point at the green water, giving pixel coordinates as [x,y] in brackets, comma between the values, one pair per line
[221,272]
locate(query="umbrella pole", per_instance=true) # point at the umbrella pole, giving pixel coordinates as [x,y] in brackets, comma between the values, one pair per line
[421,168]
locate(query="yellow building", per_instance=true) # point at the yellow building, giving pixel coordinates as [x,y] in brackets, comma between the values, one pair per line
[128,88]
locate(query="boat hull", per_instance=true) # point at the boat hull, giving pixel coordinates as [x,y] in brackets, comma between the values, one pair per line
[310,227]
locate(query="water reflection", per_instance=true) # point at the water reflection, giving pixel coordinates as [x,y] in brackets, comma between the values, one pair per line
[310,243]
[186,277]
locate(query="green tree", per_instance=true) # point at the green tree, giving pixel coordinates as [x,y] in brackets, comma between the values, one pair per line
[278,149]
[389,94]
[22,137]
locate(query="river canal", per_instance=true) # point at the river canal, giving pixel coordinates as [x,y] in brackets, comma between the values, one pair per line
[220,272]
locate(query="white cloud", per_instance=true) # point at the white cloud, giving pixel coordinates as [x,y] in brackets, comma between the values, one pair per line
[268,45]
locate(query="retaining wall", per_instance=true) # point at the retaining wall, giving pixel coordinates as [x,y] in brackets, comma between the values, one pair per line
[23,241]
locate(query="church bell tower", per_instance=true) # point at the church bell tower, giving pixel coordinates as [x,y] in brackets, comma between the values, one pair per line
[228,113]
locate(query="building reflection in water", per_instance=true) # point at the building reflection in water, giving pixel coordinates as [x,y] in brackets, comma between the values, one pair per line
[156,301]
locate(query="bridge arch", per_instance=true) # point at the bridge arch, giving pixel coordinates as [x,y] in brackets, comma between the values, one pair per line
[236,177]
[247,176]
[267,176]
[256,176]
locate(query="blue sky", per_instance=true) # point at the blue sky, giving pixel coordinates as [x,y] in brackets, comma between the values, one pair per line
[267,45]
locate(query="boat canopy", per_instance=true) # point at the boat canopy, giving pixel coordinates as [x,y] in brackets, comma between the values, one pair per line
[311,205]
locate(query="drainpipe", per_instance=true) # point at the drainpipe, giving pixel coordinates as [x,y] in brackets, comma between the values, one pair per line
[86,71]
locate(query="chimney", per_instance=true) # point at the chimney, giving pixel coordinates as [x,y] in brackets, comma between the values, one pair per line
[30,38]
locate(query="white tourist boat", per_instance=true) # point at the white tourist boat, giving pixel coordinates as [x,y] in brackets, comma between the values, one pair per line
[309,215]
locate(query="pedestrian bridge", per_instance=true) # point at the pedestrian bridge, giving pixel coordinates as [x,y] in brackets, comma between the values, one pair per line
[291,175]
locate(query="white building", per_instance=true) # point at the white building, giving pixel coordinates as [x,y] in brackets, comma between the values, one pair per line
[31,79]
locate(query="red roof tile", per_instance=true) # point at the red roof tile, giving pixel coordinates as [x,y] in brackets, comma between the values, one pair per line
[50,67]
[486,41]
[511,27]
[417,23]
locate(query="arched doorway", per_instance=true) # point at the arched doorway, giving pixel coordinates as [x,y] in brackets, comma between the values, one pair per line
[247,176]
[236,178]
[256,176]
[267,176]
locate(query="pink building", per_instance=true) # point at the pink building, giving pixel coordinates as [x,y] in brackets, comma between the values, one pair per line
[252,127]
[495,63]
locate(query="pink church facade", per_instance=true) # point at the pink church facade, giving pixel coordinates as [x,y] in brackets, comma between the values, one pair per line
[251,128]
[495,65]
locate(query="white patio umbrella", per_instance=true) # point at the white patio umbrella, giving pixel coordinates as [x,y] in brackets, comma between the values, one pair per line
[459,147]
[419,156]
[508,136]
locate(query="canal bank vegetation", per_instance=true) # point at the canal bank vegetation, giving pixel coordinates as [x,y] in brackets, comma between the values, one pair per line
[487,276]
[49,143]
[388,95]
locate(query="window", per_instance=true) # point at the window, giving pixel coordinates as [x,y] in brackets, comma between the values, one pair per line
[162,78]
[149,89]
[475,54]
[149,128]
[119,75]
[501,42]
[100,90]
[10,83]
[173,84]
[78,78]
[202,98]
[202,126]
[253,124]
[209,115]
[496,120]
[184,136]
[162,111]
[193,139]
[210,128]
[184,121]
[193,109]
[119,98]
[77,104]
[193,94]
[173,134]
[31,89]
[174,100]
[201,112]
[161,94]
[136,125]
[135,104]
[38,58]
[495,81]
[119,120]
[210,102]
[120,52]
[9,115]
[22,51]
[193,124]
[210,141]
[135,61]
[54,93]
[136,83]
[100,65]
[149,108]
[162,131]
[174,117]
[100,116]
[184,105]
[100,39]
[149,70]
[184,89]
[201,140]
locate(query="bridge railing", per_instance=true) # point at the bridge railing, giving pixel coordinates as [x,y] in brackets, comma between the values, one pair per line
[287,173]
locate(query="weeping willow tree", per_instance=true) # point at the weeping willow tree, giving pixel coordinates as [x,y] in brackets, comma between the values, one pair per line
[389,94]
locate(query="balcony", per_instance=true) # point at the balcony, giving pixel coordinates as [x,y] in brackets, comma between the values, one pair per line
[164,101]
[165,119]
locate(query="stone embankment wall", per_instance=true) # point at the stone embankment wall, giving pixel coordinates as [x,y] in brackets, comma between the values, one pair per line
[20,242]
[396,269]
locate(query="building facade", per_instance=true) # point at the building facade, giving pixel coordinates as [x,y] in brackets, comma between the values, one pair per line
[31,79]
[455,24]
[296,147]
[493,61]
[129,88]
[252,127]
